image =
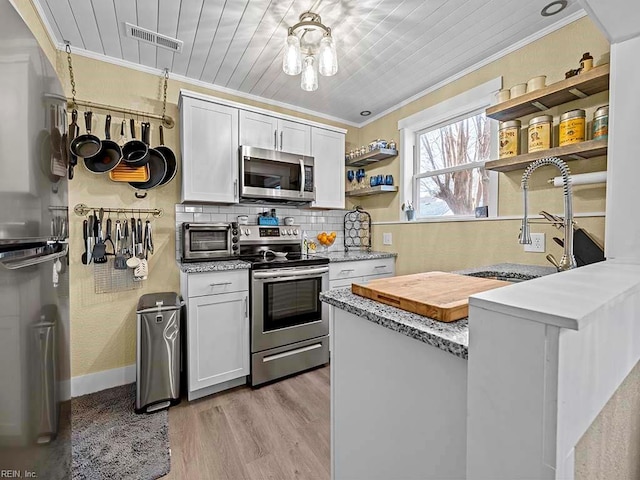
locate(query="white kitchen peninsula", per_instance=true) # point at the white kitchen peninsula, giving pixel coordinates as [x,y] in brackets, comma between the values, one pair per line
[507,394]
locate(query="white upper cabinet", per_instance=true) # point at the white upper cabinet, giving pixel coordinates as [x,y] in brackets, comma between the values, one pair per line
[264,131]
[294,137]
[209,134]
[328,152]
[257,130]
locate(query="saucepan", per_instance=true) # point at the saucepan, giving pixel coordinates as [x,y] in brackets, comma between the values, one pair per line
[109,155]
[135,153]
[157,164]
[86,145]
[169,156]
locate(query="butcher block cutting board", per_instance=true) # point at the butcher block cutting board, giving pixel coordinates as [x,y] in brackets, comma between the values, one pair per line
[438,295]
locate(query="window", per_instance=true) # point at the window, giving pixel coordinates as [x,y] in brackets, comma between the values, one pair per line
[444,149]
[449,176]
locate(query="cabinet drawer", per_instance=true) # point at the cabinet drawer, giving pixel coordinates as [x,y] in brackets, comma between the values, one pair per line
[361,268]
[212,283]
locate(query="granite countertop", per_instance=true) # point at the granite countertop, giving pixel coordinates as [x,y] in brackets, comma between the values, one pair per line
[215,266]
[452,337]
[342,256]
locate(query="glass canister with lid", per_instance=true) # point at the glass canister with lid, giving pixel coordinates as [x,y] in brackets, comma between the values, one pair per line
[510,138]
[572,127]
[539,133]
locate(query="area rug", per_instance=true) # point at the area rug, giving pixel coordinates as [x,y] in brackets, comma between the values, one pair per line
[110,441]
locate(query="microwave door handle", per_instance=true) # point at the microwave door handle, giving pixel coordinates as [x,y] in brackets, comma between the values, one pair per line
[303,179]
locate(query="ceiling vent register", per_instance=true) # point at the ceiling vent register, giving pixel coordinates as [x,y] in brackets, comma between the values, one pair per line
[153,38]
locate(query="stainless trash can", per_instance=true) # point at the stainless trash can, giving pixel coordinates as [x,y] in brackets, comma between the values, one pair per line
[158,352]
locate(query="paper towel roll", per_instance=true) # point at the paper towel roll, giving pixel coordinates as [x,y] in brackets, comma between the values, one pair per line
[582,179]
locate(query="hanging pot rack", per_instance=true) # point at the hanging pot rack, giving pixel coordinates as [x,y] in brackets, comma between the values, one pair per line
[82,210]
[167,121]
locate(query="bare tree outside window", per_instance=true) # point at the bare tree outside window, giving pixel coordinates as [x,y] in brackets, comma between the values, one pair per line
[451,176]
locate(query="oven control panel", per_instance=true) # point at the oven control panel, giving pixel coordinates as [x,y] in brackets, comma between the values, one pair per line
[258,232]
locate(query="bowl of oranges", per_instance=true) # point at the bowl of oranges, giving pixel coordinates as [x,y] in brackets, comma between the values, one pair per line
[326,239]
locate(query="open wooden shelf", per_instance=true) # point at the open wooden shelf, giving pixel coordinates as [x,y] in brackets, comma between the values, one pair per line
[371,157]
[372,191]
[575,151]
[579,86]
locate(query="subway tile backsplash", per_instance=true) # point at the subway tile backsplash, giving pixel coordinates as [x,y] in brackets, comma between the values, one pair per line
[311,221]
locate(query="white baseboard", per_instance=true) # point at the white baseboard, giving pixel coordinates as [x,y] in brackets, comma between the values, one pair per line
[94,382]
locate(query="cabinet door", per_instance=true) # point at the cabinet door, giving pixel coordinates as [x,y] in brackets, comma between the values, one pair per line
[294,137]
[218,339]
[327,148]
[257,130]
[209,152]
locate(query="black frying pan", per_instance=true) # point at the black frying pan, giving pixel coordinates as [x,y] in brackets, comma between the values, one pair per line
[73,133]
[157,164]
[86,145]
[169,156]
[109,155]
[135,153]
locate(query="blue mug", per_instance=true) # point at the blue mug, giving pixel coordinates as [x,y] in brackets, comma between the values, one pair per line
[351,175]
[380,180]
[388,180]
[373,181]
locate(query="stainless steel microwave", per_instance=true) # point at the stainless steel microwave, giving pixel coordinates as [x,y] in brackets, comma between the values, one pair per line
[209,241]
[270,175]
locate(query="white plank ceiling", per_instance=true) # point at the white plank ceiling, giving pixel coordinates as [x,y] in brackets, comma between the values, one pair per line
[388,50]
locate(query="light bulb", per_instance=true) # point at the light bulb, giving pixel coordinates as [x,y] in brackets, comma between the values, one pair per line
[327,57]
[292,60]
[309,77]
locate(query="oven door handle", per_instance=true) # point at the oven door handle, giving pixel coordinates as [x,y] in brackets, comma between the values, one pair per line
[303,178]
[312,272]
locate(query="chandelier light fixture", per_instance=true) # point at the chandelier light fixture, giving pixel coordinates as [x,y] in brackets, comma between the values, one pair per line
[309,50]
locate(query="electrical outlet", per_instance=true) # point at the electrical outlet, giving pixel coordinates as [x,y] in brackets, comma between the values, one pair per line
[387,239]
[537,243]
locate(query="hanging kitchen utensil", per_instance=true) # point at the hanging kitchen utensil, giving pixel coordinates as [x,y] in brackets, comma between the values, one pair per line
[109,155]
[135,153]
[100,248]
[157,165]
[85,236]
[170,157]
[108,239]
[86,145]
[120,261]
[58,168]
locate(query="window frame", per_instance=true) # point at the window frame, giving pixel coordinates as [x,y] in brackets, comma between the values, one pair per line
[416,177]
[470,102]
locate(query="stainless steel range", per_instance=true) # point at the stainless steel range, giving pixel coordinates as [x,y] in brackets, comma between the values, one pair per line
[289,324]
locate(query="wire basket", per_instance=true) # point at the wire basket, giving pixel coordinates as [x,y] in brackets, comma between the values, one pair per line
[109,280]
[357,230]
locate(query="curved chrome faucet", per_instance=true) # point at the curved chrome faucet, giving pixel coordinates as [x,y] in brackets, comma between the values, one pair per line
[568,261]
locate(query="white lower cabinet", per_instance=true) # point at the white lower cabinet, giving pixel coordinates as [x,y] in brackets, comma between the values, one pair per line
[217,328]
[343,274]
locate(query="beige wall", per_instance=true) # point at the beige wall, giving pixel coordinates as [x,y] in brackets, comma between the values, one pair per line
[103,325]
[452,245]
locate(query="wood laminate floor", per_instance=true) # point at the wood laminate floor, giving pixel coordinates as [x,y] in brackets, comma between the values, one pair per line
[280,431]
